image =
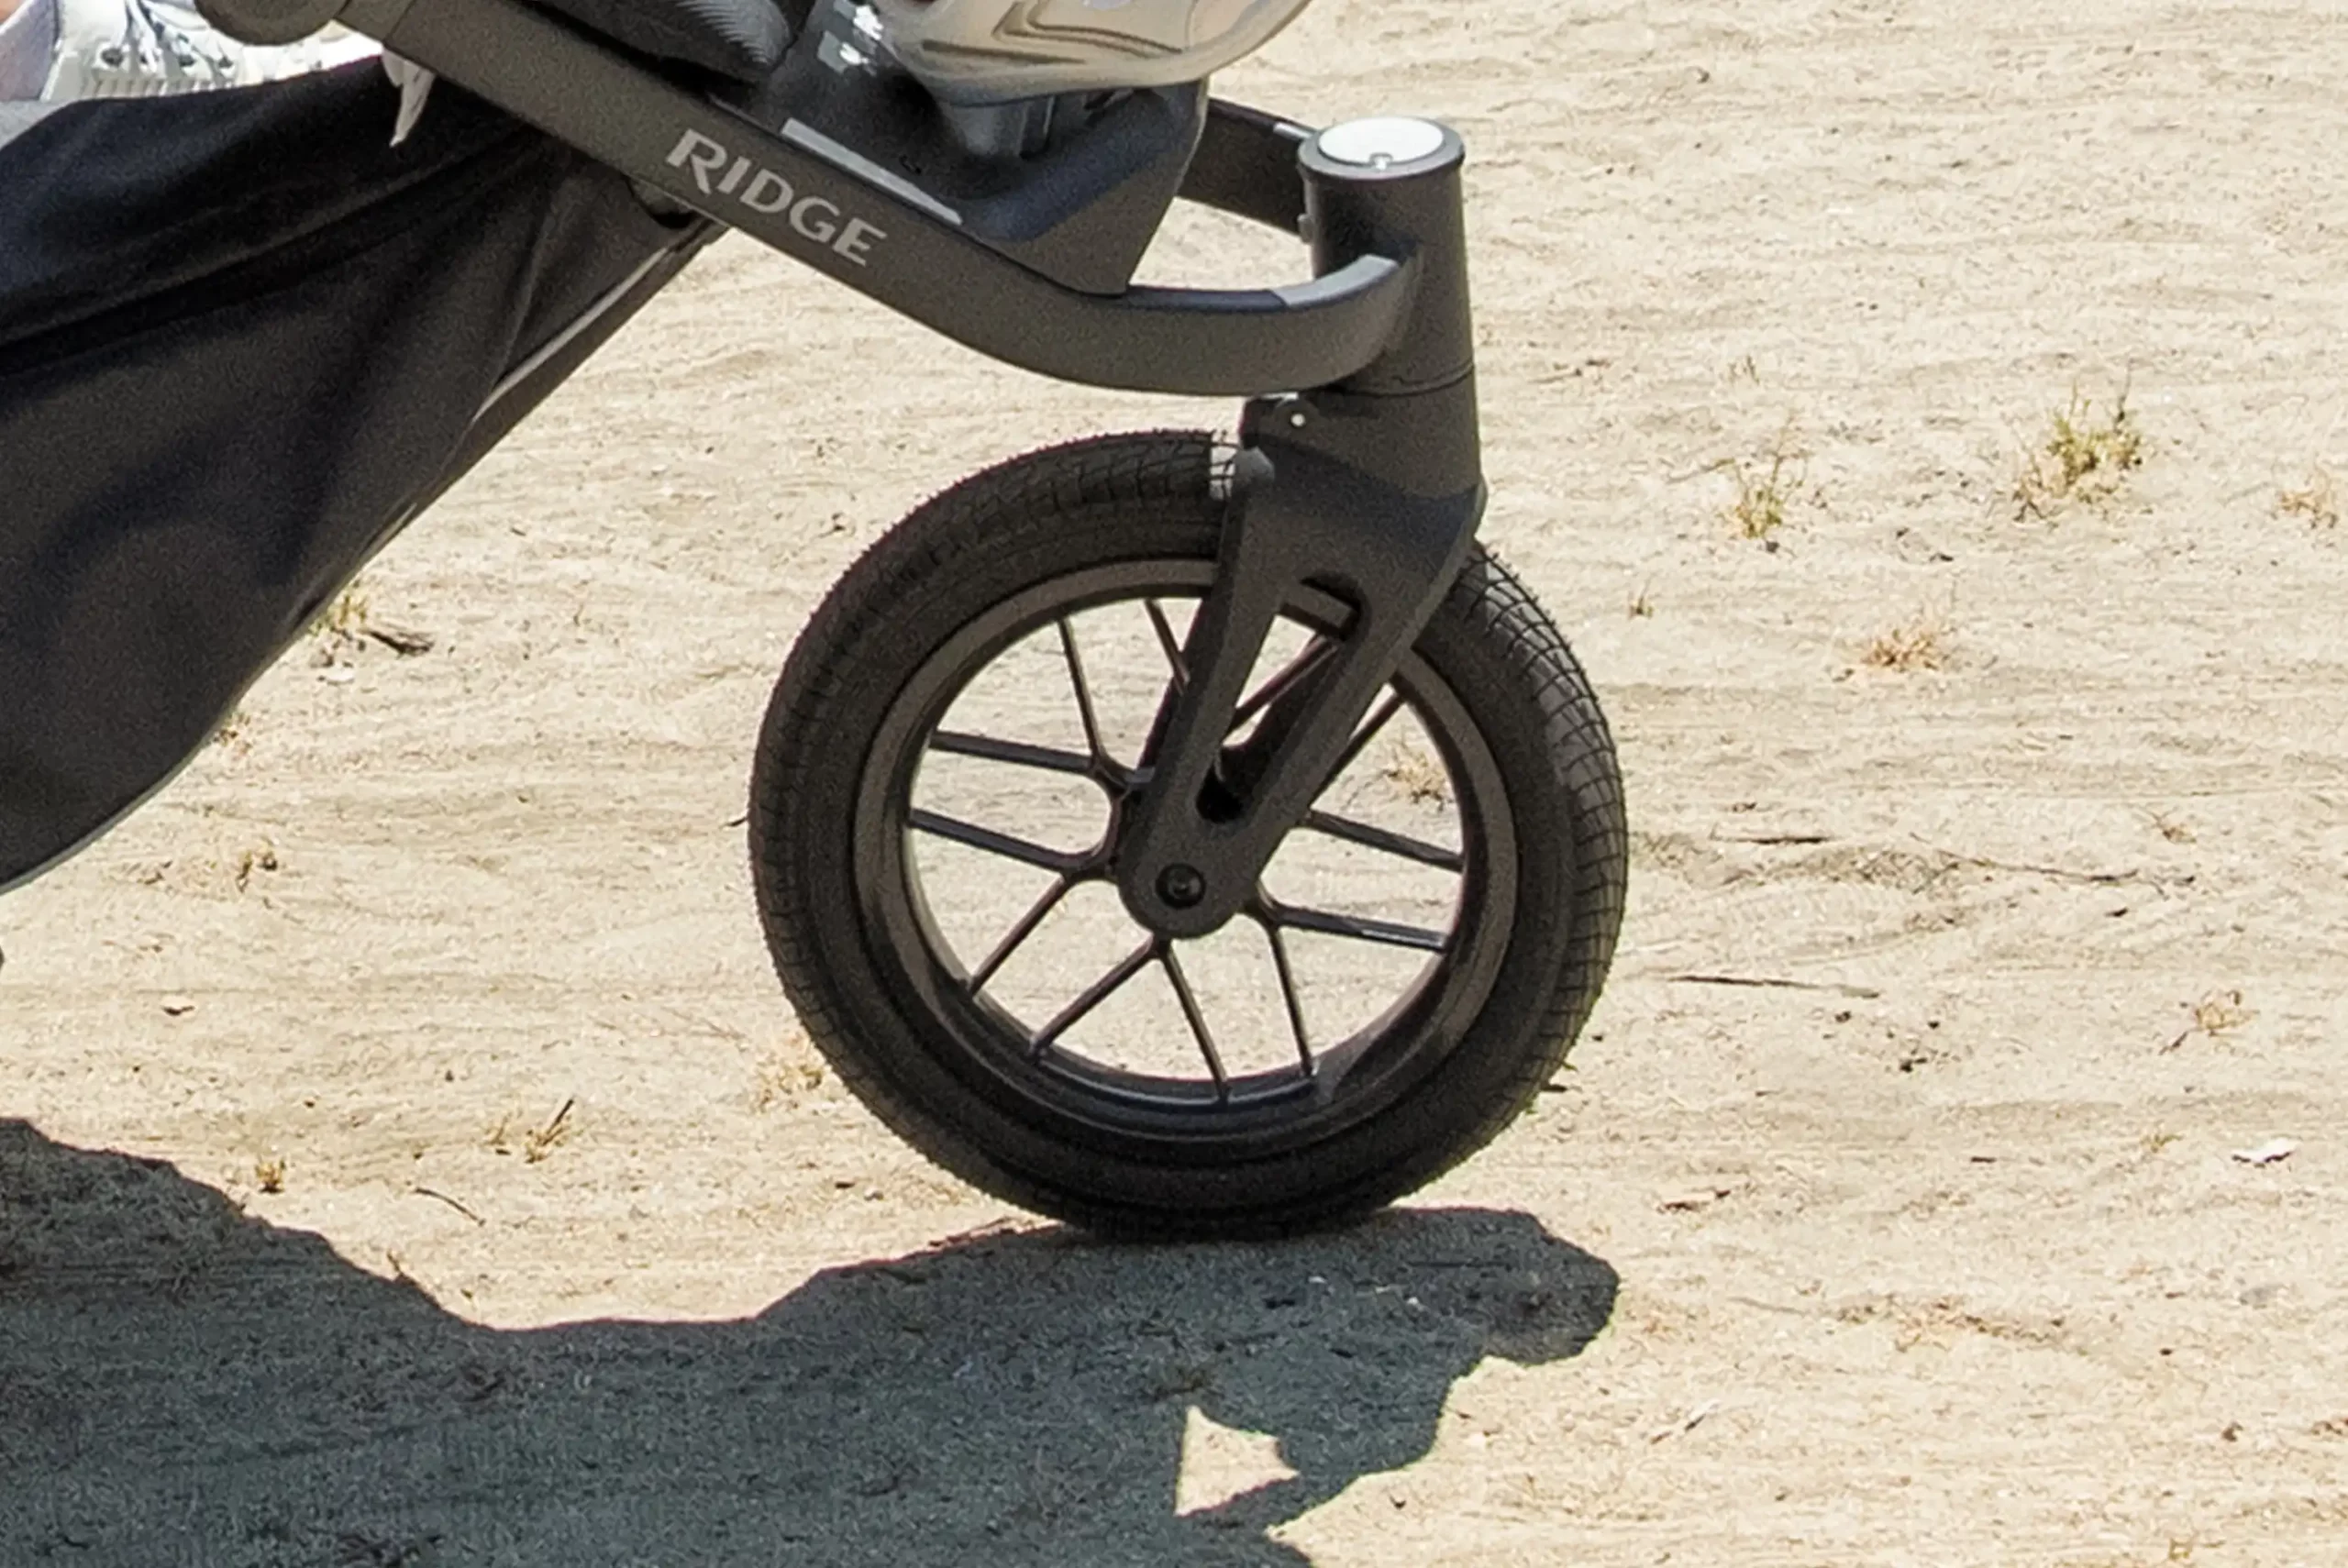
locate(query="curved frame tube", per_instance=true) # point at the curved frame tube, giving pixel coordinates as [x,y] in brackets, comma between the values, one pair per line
[873,229]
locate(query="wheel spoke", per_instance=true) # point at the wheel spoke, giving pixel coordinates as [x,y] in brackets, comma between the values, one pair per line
[1378,838]
[1171,647]
[1197,1019]
[1284,681]
[1083,692]
[1168,644]
[994,843]
[1363,736]
[1019,754]
[1295,1002]
[1096,993]
[1016,936]
[1386,932]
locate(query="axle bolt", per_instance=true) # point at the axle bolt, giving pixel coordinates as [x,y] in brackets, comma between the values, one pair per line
[1181,887]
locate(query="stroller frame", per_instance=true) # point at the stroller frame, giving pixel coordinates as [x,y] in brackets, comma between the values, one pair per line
[1359,465]
[322,332]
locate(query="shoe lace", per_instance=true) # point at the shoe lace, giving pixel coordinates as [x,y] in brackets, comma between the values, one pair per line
[150,43]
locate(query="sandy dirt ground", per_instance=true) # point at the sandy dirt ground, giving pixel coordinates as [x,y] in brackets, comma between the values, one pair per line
[1932,1250]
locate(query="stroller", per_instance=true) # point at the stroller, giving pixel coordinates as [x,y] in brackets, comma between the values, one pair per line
[1250,733]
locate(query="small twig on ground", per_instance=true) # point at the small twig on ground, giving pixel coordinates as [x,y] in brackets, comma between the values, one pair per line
[401,641]
[710,1027]
[1687,1423]
[444,1198]
[2059,873]
[1770,982]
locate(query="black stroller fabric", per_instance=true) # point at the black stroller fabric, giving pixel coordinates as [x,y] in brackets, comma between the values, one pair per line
[242,340]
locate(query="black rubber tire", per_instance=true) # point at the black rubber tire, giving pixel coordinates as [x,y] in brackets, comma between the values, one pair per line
[1158,497]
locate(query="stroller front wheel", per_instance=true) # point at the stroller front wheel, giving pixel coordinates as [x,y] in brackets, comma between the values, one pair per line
[941,784]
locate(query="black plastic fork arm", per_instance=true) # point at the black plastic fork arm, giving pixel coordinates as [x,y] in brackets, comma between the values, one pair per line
[1370,490]
[851,217]
[1307,511]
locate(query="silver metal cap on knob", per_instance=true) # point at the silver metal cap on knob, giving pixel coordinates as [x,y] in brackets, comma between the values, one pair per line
[1382,141]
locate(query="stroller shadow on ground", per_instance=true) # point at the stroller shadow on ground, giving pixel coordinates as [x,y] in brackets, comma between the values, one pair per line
[183,1383]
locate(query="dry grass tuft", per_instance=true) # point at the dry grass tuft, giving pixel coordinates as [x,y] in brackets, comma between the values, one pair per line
[2215,1016]
[2316,500]
[344,620]
[1922,642]
[541,1142]
[535,1142]
[1765,484]
[2086,455]
[2220,1013]
[233,735]
[260,857]
[1418,776]
[783,1081]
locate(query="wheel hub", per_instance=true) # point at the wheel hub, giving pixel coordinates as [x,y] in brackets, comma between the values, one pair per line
[1181,887]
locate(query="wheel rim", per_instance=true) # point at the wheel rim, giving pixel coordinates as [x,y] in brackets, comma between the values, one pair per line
[1056,1039]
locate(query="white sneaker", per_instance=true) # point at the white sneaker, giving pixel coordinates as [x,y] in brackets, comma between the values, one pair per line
[151,49]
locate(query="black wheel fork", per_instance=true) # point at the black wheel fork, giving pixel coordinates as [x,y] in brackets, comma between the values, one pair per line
[1371,489]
